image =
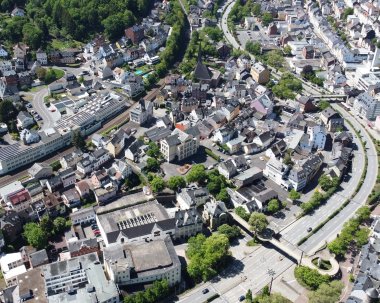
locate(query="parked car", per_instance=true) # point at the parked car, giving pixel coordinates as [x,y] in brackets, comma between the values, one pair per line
[241,298]
[205,291]
[309,229]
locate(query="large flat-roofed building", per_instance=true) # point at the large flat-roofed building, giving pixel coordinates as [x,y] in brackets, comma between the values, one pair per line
[80,279]
[142,222]
[142,262]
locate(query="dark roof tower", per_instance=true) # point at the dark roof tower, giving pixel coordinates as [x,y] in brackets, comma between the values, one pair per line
[201,71]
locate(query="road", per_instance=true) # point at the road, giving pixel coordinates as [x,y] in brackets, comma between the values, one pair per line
[229,37]
[334,226]
[250,272]
[40,107]
[298,230]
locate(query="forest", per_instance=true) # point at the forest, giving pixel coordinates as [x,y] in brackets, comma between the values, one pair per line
[68,19]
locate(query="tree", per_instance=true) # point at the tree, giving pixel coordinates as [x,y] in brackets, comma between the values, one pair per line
[273,206]
[50,76]
[253,47]
[242,213]
[32,35]
[157,184]
[287,50]
[41,73]
[114,25]
[223,195]
[256,9]
[196,174]
[258,222]
[266,19]
[59,225]
[363,213]
[46,224]
[176,182]
[78,140]
[347,12]
[154,150]
[231,232]
[152,165]
[248,296]
[206,255]
[7,111]
[361,236]
[275,59]
[326,183]
[35,235]
[323,104]
[310,278]
[326,293]
[294,195]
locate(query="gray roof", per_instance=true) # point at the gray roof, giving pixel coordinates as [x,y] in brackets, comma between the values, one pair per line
[38,258]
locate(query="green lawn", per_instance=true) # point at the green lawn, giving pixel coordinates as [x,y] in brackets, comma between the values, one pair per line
[59,73]
[62,44]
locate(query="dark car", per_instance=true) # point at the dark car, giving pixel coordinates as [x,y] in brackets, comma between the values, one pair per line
[205,291]
[241,298]
[309,229]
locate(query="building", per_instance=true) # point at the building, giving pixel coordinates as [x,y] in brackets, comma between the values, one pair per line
[135,33]
[116,145]
[11,225]
[366,106]
[227,169]
[179,145]
[188,223]
[24,119]
[215,214]
[317,136]
[142,262]
[79,279]
[142,222]
[12,265]
[142,113]
[83,216]
[276,171]
[40,170]
[332,120]
[83,247]
[260,73]
[192,197]
[41,57]
[38,258]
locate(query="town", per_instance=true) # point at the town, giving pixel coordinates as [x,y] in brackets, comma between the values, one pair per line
[190,151]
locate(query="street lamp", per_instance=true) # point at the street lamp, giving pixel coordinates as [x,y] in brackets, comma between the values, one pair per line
[271,273]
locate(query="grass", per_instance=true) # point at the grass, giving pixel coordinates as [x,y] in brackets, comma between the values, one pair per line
[252,243]
[36,88]
[59,73]
[324,265]
[63,44]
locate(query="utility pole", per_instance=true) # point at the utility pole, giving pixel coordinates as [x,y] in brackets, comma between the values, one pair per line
[271,273]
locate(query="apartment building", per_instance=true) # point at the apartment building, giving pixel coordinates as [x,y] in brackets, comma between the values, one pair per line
[179,145]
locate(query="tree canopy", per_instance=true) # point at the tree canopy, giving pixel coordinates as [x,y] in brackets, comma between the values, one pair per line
[157,184]
[231,232]
[310,278]
[326,293]
[258,222]
[294,195]
[196,174]
[35,235]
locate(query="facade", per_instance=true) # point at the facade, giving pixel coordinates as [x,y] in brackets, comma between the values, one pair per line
[260,73]
[317,136]
[276,171]
[192,197]
[143,262]
[135,33]
[142,113]
[188,223]
[366,106]
[179,145]
[12,265]
[332,120]
[215,214]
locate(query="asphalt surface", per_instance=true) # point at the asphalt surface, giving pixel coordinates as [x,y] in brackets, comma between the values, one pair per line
[335,225]
[40,107]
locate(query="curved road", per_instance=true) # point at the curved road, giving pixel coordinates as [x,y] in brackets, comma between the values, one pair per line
[41,109]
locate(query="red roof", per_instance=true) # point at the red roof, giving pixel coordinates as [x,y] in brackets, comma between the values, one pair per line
[19,197]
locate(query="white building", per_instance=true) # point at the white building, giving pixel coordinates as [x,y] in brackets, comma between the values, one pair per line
[12,265]
[366,106]
[143,112]
[276,171]
[179,145]
[317,136]
[143,262]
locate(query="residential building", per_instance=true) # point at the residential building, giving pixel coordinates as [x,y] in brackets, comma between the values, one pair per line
[332,120]
[135,33]
[24,119]
[19,201]
[12,265]
[227,169]
[143,112]
[67,177]
[83,216]
[317,136]
[260,73]
[188,223]
[105,193]
[247,177]
[142,262]
[11,225]
[179,145]
[215,214]
[142,222]
[38,258]
[71,198]
[116,145]
[83,247]
[79,279]
[276,171]
[366,106]
[40,170]
[41,57]
[192,197]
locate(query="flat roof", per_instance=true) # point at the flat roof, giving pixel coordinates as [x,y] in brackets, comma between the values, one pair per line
[32,281]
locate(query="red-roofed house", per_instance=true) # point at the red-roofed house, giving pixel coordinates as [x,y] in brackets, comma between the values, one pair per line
[20,200]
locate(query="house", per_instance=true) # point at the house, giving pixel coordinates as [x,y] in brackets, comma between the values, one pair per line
[260,73]
[306,104]
[248,177]
[100,178]
[85,166]
[276,171]
[317,136]
[82,188]
[332,120]
[12,265]
[135,33]
[308,52]
[99,157]
[304,171]
[179,145]
[188,223]
[71,159]
[38,258]
[105,193]
[83,216]
[227,169]
[18,12]
[263,105]
[132,152]
[215,214]
[192,197]
[142,113]
[116,145]
[366,106]
[133,85]
[83,247]
[40,170]
[11,225]
[41,57]
[225,134]
[120,170]
[24,119]
[71,198]
[277,150]
[67,177]
[20,50]
[126,263]
[223,50]
[3,52]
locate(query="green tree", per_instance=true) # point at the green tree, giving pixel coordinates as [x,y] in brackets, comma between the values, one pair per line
[275,59]
[231,232]
[294,195]
[196,174]
[347,12]
[266,19]
[310,278]
[114,25]
[287,50]
[157,184]
[154,150]
[248,296]
[223,195]
[258,222]
[242,213]
[256,9]
[253,47]
[7,111]
[176,182]
[59,225]
[323,104]
[152,165]
[326,183]
[32,35]
[78,140]
[47,225]
[361,236]
[41,73]
[326,293]
[363,213]
[273,206]
[35,235]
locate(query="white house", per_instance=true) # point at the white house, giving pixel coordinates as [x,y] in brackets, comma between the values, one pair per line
[366,106]
[276,171]
[317,136]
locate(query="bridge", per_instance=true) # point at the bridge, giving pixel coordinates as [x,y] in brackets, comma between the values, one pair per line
[289,250]
[329,96]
